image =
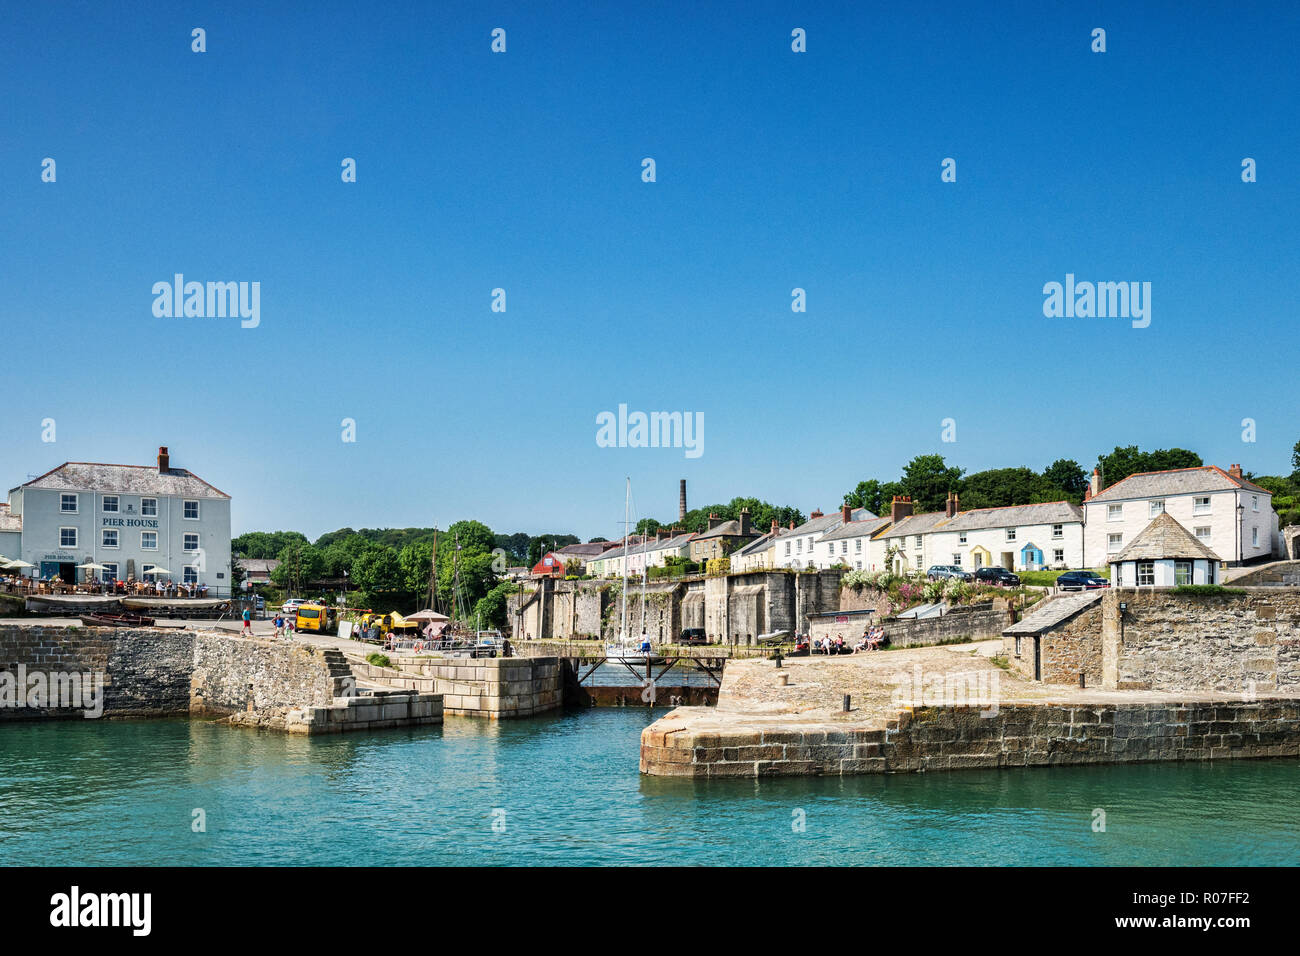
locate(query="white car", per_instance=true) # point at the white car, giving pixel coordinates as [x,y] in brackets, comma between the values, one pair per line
[290,607]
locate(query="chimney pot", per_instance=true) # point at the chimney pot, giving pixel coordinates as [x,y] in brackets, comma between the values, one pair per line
[816,514]
[900,508]
[846,514]
[164,459]
[1235,471]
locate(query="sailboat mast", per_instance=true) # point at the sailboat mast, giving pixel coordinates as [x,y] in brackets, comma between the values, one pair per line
[627,503]
[645,574]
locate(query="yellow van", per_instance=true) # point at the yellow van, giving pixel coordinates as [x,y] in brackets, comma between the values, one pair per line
[317,618]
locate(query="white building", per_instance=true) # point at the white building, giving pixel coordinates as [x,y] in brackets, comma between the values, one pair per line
[798,549]
[907,536]
[1164,555]
[127,519]
[1231,516]
[849,545]
[1016,537]
[760,554]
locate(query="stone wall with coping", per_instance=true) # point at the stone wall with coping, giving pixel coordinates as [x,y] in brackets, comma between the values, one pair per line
[975,621]
[271,677]
[1071,647]
[495,688]
[961,737]
[1242,643]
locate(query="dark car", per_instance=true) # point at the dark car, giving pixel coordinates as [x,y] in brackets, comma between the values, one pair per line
[693,635]
[999,576]
[1081,581]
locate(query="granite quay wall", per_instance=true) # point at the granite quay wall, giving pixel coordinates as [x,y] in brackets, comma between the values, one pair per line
[159,672]
[495,688]
[960,737]
[1240,643]
[145,671]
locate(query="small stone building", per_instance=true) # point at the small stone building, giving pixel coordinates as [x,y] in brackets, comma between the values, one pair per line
[1164,555]
[1058,640]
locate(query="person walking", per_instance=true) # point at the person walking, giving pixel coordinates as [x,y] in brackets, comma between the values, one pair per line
[279,625]
[248,622]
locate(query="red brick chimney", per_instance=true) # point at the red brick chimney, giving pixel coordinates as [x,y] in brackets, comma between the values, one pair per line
[774,527]
[1235,471]
[713,521]
[846,514]
[791,524]
[164,459]
[950,506]
[900,508]
[816,514]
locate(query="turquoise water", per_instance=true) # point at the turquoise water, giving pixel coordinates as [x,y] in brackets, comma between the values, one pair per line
[100,792]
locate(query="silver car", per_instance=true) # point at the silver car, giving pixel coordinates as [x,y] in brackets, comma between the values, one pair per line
[939,572]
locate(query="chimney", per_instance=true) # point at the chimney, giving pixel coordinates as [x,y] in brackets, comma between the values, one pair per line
[774,527]
[1094,484]
[681,500]
[713,521]
[816,514]
[744,521]
[791,524]
[950,506]
[164,460]
[900,508]
[846,514]
[1235,471]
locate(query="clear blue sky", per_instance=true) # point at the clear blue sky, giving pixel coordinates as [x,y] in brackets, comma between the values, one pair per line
[522,171]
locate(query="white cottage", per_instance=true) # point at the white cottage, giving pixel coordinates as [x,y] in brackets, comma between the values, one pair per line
[1016,537]
[1164,555]
[1228,514]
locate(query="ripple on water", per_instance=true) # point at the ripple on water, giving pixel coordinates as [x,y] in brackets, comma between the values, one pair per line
[568,791]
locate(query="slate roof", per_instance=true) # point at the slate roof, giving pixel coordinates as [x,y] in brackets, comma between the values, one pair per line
[1164,538]
[591,549]
[914,524]
[763,543]
[1055,611]
[832,520]
[672,543]
[856,529]
[126,480]
[727,529]
[1052,512]
[1177,481]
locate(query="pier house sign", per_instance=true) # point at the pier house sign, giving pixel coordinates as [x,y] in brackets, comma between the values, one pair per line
[130,522]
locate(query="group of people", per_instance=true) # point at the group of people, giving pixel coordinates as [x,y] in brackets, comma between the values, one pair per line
[873,639]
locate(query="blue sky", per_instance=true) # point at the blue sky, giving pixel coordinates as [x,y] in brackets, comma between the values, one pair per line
[522,171]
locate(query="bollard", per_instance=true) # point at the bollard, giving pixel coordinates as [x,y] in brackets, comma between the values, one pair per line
[846,704]
[782,680]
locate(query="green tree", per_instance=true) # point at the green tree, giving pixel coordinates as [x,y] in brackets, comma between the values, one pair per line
[1069,476]
[928,479]
[1129,460]
[378,571]
[300,564]
[999,487]
[490,609]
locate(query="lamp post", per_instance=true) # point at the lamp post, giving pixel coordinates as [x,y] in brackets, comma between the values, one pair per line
[1240,511]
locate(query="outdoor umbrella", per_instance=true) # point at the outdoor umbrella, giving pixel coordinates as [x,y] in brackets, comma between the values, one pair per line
[92,566]
[157,571]
[21,564]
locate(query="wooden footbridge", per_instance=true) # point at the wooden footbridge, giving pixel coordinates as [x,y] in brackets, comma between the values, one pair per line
[585,657]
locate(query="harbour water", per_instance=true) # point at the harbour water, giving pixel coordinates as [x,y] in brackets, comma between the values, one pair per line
[565,789]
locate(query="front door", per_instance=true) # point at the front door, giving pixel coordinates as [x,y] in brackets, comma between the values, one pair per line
[1038,659]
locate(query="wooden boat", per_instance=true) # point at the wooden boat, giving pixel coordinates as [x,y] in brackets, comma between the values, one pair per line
[116,620]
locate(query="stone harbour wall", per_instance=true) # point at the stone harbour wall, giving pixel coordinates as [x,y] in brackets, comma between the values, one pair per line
[1239,643]
[960,737]
[145,671]
[975,621]
[270,677]
[495,688]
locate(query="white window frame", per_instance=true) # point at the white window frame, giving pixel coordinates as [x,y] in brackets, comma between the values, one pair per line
[1150,568]
[1114,543]
[1058,556]
[63,544]
[1155,507]
[961,537]
[186,573]
[956,559]
[1254,537]
[145,512]
[1058,531]
[1254,502]
[857,546]
[1202,537]
[103,538]
[1010,534]
[1115,512]
[185,503]
[1198,508]
[1183,566]
[76,503]
[117,504]
[145,547]
[145,569]
[105,575]
[185,541]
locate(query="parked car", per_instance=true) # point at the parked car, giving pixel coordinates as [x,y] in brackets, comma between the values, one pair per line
[290,607]
[998,576]
[939,572]
[1081,581]
[693,635]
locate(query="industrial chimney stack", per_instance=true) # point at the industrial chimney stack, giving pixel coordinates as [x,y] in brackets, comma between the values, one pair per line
[681,500]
